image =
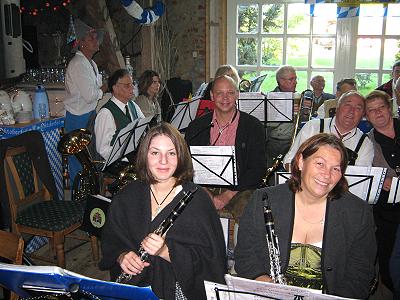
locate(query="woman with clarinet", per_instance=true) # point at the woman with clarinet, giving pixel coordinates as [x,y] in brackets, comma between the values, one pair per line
[322,235]
[139,248]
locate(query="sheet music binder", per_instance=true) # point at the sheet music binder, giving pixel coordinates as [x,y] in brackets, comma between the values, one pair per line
[364,182]
[272,102]
[95,214]
[127,140]
[246,289]
[253,103]
[185,112]
[205,175]
[46,280]
[394,194]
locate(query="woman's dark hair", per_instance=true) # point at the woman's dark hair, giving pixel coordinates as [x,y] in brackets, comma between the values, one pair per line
[145,80]
[184,168]
[308,148]
[113,79]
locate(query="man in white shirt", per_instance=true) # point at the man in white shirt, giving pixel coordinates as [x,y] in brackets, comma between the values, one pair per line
[117,113]
[350,109]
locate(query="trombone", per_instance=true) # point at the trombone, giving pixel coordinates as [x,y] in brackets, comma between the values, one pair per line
[305,113]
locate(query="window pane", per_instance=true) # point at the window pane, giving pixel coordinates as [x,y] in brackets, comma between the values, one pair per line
[323,53]
[272,51]
[324,18]
[389,56]
[247,51]
[269,83]
[298,18]
[366,82]
[372,47]
[393,19]
[247,74]
[272,18]
[370,20]
[301,81]
[247,18]
[297,52]
[328,76]
[386,77]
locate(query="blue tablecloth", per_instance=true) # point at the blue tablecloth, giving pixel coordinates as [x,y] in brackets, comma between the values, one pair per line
[50,129]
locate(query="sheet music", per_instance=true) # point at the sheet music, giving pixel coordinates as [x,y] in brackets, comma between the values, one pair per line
[364,182]
[246,289]
[279,107]
[253,104]
[214,165]
[124,144]
[185,112]
[394,194]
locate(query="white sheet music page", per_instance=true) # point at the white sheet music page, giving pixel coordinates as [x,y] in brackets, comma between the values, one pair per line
[185,112]
[214,165]
[365,182]
[394,194]
[279,107]
[252,103]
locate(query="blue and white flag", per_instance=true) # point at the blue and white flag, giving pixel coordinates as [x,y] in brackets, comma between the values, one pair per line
[348,11]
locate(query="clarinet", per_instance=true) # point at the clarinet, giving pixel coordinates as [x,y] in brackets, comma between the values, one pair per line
[165,225]
[273,245]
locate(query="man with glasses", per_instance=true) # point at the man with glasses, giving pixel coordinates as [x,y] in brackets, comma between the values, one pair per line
[279,135]
[116,113]
[319,96]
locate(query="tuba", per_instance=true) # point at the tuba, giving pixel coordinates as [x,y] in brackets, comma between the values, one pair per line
[86,182]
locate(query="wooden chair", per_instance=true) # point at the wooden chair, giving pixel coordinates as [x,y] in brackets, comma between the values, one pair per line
[32,210]
[12,247]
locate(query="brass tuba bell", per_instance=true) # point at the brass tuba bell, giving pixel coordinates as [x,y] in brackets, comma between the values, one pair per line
[86,182]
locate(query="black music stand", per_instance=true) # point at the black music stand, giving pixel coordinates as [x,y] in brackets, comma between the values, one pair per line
[214,166]
[185,112]
[35,281]
[127,141]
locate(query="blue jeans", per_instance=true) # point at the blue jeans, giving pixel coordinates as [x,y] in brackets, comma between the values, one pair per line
[73,122]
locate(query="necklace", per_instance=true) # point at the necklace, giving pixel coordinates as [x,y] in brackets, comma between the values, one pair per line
[162,201]
[321,221]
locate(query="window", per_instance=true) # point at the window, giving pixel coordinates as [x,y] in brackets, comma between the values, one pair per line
[262,35]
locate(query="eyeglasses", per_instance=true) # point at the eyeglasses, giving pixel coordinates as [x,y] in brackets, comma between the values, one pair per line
[127,85]
[291,79]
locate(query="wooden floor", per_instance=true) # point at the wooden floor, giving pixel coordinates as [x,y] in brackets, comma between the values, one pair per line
[78,259]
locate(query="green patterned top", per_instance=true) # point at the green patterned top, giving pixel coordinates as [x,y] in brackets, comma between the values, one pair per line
[304,269]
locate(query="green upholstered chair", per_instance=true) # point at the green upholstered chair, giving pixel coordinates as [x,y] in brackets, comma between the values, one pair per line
[34,212]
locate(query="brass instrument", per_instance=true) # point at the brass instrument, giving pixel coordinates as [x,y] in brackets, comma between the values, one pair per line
[305,113]
[126,175]
[86,181]
[273,245]
[162,229]
[271,170]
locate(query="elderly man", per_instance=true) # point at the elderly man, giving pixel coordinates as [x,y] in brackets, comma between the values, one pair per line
[385,138]
[279,135]
[227,126]
[318,84]
[116,113]
[350,109]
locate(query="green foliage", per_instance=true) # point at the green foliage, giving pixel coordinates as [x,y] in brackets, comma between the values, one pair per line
[363,79]
[397,56]
[247,51]
[248,17]
[270,18]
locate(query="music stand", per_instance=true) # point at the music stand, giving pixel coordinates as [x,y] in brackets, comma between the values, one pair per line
[127,140]
[280,107]
[253,103]
[214,165]
[32,281]
[394,194]
[185,112]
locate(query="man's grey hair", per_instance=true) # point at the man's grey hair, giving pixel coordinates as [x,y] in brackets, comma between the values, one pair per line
[283,70]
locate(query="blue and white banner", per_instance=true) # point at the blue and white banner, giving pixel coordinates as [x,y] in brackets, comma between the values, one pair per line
[348,11]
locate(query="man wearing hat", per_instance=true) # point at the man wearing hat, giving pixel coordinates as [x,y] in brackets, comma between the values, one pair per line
[83,83]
